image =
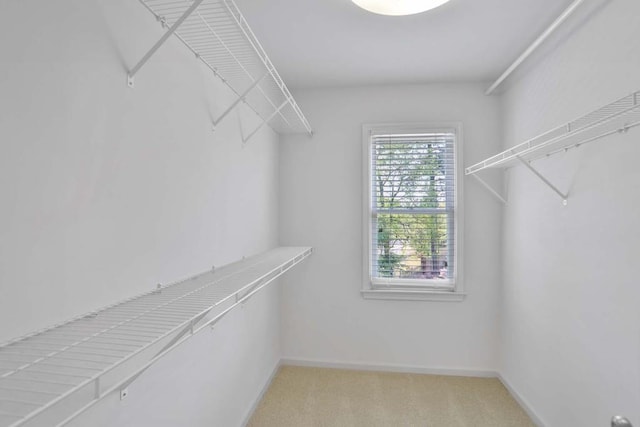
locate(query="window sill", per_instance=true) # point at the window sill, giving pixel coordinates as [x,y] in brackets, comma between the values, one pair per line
[412,295]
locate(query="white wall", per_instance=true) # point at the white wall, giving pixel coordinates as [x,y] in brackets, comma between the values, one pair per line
[325,319]
[571,324]
[106,191]
[213,380]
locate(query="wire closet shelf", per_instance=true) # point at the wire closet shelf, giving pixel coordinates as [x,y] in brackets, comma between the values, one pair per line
[49,377]
[617,117]
[220,37]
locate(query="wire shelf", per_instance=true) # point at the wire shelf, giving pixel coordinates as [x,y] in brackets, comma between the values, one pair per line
[49,377]
[617,117]
[219,36]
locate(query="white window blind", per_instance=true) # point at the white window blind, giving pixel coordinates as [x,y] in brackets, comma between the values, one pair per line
[413,209]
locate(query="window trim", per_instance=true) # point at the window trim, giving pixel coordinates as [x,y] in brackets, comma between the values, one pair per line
[425,292]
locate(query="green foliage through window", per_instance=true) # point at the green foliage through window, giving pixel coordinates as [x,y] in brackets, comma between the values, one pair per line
[412,201]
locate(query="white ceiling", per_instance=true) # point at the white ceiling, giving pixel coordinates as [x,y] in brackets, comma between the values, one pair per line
[317,43]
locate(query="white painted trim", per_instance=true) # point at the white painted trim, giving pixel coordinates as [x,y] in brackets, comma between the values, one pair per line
[521,401]
[260,396]
[367,130]
[388,367]
[412,295]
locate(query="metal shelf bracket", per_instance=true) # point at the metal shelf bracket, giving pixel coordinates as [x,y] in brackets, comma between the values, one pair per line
[490,189]
[267,120]
[614,118]
[240,98]
[195,326]
[545,180]
[64,370]
[159,43]
[220,38]
[188,329]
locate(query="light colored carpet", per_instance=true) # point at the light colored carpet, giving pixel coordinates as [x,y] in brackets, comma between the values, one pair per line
[315,397]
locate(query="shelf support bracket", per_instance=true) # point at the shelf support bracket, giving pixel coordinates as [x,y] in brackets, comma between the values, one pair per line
[190,328]
[267,120]
[490,189]
[240,99]
[165,36]
[186,330]
[545,180]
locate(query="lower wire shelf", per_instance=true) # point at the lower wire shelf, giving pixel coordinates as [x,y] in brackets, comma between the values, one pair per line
[49,377]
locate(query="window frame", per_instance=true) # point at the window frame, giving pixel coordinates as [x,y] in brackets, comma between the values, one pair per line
[416,289]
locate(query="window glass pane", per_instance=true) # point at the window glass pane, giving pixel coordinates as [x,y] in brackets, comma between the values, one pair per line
[411,246]
[412,174]
[412,207]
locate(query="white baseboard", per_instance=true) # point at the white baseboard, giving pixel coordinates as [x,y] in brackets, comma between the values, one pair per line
[258,399]
[523,403]
[388,367]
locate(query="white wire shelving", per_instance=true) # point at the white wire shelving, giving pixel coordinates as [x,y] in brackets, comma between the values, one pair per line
[617,117]
[220,37]
[51,376]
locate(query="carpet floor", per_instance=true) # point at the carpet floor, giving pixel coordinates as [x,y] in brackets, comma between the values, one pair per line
[318,397]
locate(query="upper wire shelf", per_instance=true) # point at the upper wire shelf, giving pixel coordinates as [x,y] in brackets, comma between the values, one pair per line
[49,377]
[220,37]
[617,117]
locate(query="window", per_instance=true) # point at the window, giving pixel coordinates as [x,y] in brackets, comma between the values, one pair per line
[412,215]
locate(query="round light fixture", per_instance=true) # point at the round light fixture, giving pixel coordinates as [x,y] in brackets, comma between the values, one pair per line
[399,7]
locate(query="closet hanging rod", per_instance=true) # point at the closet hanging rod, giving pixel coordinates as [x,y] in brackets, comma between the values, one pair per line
[554,26]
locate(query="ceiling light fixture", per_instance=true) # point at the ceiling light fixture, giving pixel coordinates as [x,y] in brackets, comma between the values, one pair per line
[398,7]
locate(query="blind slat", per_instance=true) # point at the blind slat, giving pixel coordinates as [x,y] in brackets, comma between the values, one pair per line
[412,205]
